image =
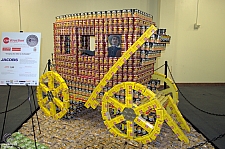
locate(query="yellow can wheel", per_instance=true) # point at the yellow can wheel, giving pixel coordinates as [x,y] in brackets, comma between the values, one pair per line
[53,95]
[171,86]
[140,121]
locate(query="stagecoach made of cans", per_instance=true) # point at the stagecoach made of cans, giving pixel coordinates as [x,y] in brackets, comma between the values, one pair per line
[126,88]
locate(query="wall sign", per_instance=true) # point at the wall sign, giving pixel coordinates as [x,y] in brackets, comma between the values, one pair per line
[20,58]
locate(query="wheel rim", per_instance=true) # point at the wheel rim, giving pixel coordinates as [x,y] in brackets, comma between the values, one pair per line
[171,86]
[53,95]
[131,122]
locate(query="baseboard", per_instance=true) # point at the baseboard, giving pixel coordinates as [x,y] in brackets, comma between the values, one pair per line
[196,84]
[200,84]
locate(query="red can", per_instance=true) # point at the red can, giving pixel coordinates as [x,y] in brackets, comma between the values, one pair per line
[124,77]
[130,77]
[130,38]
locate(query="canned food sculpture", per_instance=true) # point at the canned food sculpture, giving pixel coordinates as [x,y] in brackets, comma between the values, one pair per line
[106,59]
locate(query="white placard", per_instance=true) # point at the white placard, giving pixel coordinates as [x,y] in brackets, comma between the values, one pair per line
[20,58]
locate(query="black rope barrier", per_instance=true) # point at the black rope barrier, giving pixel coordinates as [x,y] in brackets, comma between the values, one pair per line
[6,109]
[210,113]
[16,106]
[28,99]
[159,67]
[207,141]
[25,99]
[45,68]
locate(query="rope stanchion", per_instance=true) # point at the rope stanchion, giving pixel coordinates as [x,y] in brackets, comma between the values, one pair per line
[165,73]
[35,108]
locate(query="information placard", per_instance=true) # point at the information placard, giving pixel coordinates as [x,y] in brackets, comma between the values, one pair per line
[20,58]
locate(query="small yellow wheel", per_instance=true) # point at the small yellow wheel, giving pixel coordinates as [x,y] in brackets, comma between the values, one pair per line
[140,122]
[53,95]
[171,86]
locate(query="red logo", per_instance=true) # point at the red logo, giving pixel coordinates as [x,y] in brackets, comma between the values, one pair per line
[6,49]
[16,49]
[6,40]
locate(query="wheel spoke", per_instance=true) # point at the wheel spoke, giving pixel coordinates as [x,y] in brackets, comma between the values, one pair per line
[56,91]
[130,129]
[167,91]
[117,119]
[144,124]
[58,102]
[144,107]
[44,88]
[44,100]
[52,108]
[129,94]
[50,82]
[116,103]
[45,110]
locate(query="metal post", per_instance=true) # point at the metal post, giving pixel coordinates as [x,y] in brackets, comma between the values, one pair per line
[165,72]
[35,109]
[49,65]
[31,115]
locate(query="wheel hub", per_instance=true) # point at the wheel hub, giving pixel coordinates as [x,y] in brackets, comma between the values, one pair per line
[129,114]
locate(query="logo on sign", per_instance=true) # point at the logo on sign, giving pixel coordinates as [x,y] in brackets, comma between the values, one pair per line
[9,67]
[32,40]
[6,49]
[9,59]
[6,40]
[16,49]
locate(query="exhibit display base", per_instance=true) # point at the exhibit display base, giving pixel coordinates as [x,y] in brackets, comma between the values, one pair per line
[88,131]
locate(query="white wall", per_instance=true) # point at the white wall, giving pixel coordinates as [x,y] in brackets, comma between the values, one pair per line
[193,55]
[196,56]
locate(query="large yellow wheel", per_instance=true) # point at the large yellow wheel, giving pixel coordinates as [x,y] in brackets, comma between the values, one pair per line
[53,95]
[139,121]
[171,87]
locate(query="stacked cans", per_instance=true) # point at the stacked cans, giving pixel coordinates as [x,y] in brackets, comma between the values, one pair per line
[73,33]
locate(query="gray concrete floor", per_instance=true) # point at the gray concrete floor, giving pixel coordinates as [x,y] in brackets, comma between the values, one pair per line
[210,99]
[15,118]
